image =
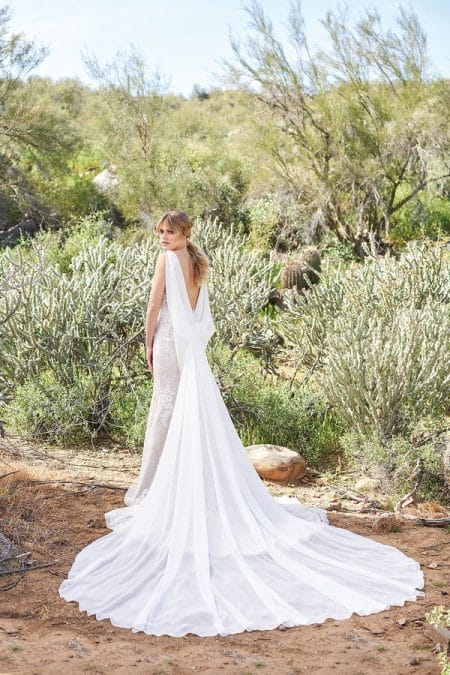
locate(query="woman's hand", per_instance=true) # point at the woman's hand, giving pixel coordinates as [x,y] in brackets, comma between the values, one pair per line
[149,355]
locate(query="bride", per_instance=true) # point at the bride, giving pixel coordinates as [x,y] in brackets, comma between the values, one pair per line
[201,546]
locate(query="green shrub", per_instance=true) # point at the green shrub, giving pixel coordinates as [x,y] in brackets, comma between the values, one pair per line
[393,462]
[426,217]
[277,221]
[62,246]
[268,412]
[129,408]
[47,410]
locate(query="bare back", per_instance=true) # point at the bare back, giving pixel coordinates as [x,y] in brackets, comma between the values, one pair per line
[187,266]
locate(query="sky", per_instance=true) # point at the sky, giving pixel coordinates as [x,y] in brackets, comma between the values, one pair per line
[187,40]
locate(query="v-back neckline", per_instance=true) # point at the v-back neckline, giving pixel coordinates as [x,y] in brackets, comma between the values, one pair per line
[193,310]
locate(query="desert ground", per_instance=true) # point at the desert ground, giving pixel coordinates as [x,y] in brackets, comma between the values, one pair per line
[51,505]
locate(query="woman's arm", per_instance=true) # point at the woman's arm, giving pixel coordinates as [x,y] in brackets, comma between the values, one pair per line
[154,302]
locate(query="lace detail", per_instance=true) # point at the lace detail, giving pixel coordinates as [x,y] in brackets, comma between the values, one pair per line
[166,376]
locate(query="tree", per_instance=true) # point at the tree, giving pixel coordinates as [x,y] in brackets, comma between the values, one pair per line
[363,128]
[36,136]
[160,163]
[25,121]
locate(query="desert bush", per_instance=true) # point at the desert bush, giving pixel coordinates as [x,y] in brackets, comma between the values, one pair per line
[240,283]
[47,410]
[426,217]
[394,462]
[278,221]
[128,412]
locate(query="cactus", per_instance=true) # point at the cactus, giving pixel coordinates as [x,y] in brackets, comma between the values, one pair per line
[377,337]
[303,271]
[439,618]
[90,321]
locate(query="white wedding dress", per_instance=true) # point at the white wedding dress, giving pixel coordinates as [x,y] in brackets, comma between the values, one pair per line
[202,546]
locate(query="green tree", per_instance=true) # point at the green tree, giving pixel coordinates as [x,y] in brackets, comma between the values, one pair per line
[360,124]
[37,134]
[159,161]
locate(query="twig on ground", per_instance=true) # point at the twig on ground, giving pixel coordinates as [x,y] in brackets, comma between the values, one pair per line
[442,543]
[9,474]
[409,498]
[21,570]
[433,522]
[76,482]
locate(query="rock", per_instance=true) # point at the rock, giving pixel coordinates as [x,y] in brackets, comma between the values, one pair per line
[106,180]
[366,485]
[322,480]
[274,462]
[387,522]
[335,505]
[97,523]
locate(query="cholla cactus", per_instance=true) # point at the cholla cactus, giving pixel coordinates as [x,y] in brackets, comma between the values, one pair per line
[439,618]
[91,321]
[377,334]
[240,284]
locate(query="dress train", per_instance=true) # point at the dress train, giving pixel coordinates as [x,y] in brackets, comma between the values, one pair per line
[202,546]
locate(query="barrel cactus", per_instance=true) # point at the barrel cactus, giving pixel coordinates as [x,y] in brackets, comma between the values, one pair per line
[303,271]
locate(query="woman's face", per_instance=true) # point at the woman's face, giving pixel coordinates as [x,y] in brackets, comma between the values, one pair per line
[170,238]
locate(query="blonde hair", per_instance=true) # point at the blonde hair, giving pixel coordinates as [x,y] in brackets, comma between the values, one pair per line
[179,220]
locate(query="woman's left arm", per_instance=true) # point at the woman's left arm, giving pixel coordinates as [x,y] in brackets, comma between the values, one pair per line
[154,302]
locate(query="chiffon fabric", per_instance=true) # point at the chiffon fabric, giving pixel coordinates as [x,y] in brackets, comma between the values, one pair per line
[201,546]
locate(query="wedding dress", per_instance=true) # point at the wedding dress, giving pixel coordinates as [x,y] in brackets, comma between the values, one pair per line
[202,546]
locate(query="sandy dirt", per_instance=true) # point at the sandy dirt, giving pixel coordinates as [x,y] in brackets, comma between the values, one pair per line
[41,634]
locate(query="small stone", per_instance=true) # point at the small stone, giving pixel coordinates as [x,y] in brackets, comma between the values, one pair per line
[387,522]
[366,485]
[335,505]
[96,523]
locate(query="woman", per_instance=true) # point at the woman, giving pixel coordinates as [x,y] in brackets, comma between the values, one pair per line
[201,545]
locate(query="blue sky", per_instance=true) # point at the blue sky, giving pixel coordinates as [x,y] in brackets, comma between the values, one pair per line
[185,39]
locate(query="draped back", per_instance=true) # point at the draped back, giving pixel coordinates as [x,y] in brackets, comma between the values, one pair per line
[192,328]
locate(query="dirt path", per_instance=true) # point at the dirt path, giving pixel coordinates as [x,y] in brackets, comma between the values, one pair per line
[41,634]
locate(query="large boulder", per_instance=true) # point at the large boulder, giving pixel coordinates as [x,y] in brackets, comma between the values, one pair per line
[276,463]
